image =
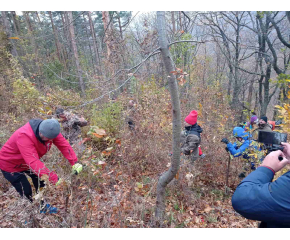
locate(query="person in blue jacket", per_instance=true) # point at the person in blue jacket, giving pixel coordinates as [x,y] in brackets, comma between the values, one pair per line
[258,198]
[239,149]
[243,138]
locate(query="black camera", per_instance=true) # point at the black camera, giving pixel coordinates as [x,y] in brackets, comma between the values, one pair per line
[272,140]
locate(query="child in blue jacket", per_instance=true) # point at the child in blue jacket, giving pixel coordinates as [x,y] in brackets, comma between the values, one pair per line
[239,149]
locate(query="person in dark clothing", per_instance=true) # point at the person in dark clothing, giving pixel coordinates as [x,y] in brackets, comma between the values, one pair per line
[258,198]
[130,118]
[190,137]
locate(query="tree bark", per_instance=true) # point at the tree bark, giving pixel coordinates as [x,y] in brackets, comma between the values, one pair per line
[8,33]
[173,23]
[251,87]
[15,23]
[166,177]
[107,29]
[32,39]
[76,55]
[89,43]
[55,37]
[96,50]
[120,27]
[66,35]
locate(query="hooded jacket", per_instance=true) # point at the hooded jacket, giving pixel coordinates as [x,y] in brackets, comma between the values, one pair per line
[190,139]
[24,149]
[258,198]
[234,149]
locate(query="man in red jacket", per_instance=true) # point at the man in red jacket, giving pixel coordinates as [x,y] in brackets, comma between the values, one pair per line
[23,150]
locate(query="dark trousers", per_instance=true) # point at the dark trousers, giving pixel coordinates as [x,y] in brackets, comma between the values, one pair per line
[21,184]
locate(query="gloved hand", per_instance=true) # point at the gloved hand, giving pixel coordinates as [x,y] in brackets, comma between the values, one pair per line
[77,168]
[202,156]
[227,149]
[225,140]
[39,194]
[59,182]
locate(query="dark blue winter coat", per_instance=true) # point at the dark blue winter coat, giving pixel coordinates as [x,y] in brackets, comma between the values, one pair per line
[233,147]
[258,198]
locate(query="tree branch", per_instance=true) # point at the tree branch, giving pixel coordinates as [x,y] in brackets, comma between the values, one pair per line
[181,41]
[127,80]
[278,31]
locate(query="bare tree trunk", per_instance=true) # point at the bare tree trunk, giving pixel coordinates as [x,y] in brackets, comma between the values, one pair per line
[76,55]
[96,50]
[251,87]
[166,177]
[55,37]
[120,27]
[67,26]
[105,18]
[89,43]
[66,34]
[8,32]
[32,39]
[180,21]
[15,22]
[173,23]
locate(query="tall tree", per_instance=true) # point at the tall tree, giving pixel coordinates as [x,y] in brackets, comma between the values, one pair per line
[166,177]
[57,44]
[96,50]
[8,33]
[32,39]
[75,51]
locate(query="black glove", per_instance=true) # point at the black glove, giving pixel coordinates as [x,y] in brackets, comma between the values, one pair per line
[278,122]
[227,149]
[225,140]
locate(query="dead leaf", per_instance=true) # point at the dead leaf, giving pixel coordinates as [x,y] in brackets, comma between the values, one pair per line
[99,133]
[207,209]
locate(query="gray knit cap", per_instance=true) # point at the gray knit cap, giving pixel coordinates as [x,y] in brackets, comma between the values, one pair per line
[49,128]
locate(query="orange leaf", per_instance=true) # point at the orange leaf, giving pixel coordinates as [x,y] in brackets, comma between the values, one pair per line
[118,141]
[177,175]
[106,153]
[97,135]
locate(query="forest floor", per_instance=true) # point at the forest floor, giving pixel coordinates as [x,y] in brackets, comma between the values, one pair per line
[114,198]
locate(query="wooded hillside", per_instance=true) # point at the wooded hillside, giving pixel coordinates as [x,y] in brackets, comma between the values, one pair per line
[226,65]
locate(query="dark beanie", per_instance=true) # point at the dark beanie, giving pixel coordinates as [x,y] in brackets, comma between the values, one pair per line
[49,128]
[264,118]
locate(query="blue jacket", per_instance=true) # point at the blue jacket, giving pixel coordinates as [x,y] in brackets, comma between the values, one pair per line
[233,148]
[258,198]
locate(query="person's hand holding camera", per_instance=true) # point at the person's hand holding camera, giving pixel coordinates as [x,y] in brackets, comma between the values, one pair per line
[286,150]
[272,161]
[225,140]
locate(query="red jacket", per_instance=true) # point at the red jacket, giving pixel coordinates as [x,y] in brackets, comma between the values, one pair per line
[24,148]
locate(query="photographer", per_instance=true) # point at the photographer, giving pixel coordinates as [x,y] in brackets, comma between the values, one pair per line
[258,198]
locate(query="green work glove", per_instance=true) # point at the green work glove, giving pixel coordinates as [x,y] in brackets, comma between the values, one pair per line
[77,168]
[58,182]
